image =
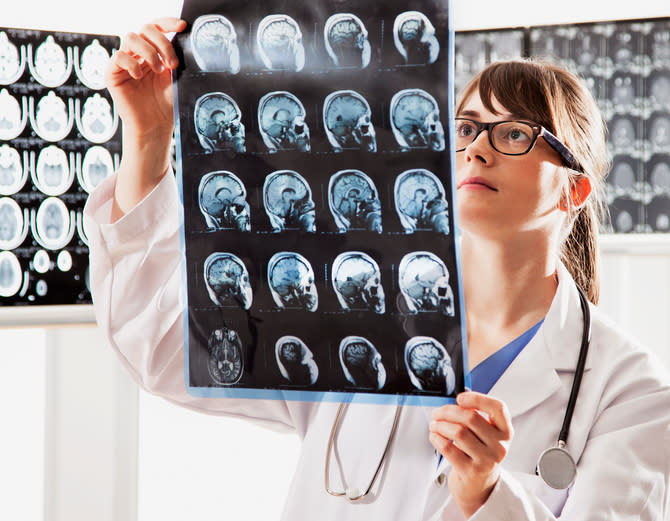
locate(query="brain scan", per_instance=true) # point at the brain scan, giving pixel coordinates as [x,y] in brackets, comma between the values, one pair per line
[415,120]
[13,173]
[226,362]
[291,280]
[361,363]
[218,123]
[658,133]
[624,222]
[348,121]
[52,119]
[424,283]
[660,48]
[622,133]
[51,66]
[660,177]
[354,201]
[420,202]
[223,201]
[623,91]
[288,202]
[97,166]
[281,119]
[659,90]
[97,121]
[414,37]
[346,40]
[54,227]
[227,280]
[279,41]
[90,68]
[214,44]
[429,365]
[53,175]
[296,361]
[12,118]
[357,282]
[13,224]
[658,213]
[622,178]
[12,62]
[11,275]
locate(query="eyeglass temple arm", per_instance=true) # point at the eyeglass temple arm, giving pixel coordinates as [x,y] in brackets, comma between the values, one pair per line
[564,151]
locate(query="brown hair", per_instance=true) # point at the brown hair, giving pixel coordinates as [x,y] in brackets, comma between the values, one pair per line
[548,94]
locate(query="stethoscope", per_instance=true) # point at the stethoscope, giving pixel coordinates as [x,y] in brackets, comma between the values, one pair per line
[555,465]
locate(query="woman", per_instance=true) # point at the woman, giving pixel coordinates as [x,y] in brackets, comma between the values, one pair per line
[531,156]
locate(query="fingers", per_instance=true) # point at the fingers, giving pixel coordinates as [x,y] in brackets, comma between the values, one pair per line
[151,44]
[495,409]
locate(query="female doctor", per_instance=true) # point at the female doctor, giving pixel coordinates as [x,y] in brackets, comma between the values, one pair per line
[530,162]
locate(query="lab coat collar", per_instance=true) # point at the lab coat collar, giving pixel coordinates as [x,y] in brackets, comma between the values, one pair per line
[533,376]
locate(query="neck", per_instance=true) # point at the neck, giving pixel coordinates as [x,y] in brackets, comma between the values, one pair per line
[509,285]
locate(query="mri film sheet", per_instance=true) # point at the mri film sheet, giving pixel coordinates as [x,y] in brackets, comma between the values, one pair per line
[314,162]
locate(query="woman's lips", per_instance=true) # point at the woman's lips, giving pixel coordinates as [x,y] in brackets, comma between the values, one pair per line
[476,183]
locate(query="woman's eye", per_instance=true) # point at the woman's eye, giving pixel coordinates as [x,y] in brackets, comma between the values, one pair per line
[518,134]
[465,129]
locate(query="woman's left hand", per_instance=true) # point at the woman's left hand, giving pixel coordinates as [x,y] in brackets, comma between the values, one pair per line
[473,436]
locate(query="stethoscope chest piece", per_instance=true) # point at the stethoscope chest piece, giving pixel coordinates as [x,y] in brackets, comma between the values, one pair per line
[556,467]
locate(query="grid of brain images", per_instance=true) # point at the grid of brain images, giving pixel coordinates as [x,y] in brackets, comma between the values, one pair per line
[331,217]
[626,65]
[58,141]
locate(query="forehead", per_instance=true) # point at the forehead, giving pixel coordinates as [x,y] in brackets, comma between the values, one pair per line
[473,107]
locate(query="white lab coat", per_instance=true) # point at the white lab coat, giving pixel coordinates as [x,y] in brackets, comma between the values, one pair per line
[620,434]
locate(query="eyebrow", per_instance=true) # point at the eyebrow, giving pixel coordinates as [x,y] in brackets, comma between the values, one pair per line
[476,114]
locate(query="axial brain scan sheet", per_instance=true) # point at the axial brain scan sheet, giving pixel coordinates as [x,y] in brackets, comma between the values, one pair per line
[315,170]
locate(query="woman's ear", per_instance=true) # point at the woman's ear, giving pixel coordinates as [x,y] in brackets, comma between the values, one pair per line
[578,192]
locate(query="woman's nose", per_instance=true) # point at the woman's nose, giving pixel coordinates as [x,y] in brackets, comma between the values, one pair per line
[480,149]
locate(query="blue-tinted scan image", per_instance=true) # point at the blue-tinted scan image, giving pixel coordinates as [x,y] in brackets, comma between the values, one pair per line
[13,171]
[279,41]
[354,201]
[12,60]
[348,121]
[214,44]
[424,283]
[96,120]
[415,120]
[291,280]
[420,202]
[226,362]
[13,116]
[357,282]
[52,119]
[281,119]
[414,37]
[53,226]
[361,363]
[429,365]
[346,41]
[90,68]
[288,202]
[13,224]
[218,123]
[227,280]
[223,201]
[296,361]
[11,275]
[96,167]
[51,65]
[54,172]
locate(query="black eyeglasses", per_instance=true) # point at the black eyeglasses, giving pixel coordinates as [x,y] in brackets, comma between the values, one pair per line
[512,138]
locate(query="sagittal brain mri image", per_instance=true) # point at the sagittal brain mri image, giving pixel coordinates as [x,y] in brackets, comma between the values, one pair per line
[424,283]
[659,177]
[227,280]
[415,120]
[12,173]
[54,227]
[11,275]
[623,134]
[226,361]
[13,227]
[218,123]
[295,361]
[281,119]
[90,68]
[52,119]
[659,89]
[348,121]
[291,281]
[223,202]
[429,365]
[414,37]
[12,117]
[288,202]
[658,132]
[53,174]
[52,66]
[96,121]
[357,282]
[354,202]
[623,92]
[346,41]
[421,202]
[279,42]
[361,363]
[96,167]
[214,44]
[12,61]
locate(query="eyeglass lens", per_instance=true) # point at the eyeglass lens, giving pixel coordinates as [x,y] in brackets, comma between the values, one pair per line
[507,137]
